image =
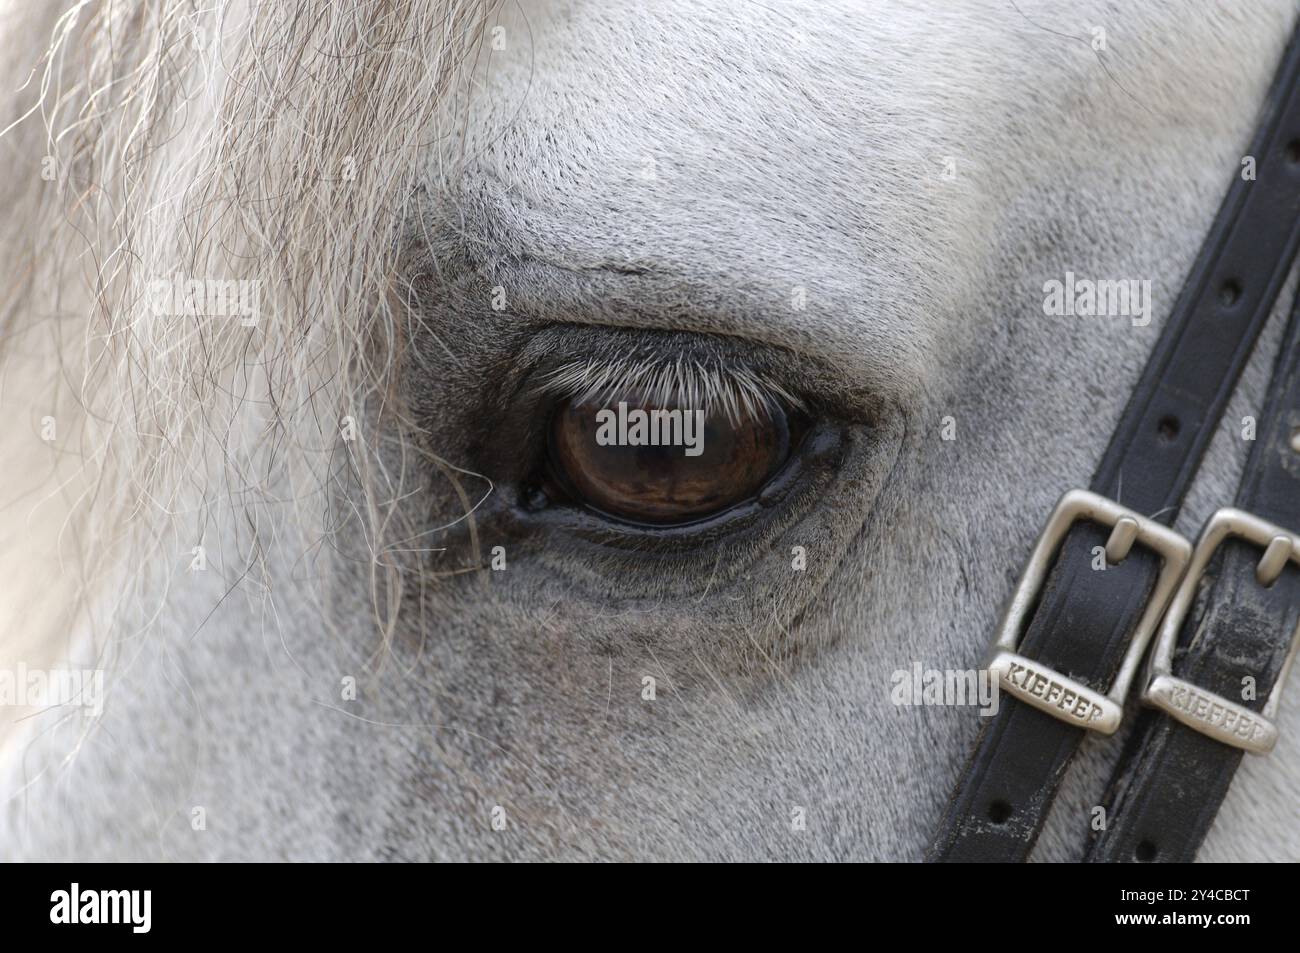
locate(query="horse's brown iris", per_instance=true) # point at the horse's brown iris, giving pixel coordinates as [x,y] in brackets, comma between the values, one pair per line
[629,458]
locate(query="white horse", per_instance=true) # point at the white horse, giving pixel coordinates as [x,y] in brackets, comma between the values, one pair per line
[301,535]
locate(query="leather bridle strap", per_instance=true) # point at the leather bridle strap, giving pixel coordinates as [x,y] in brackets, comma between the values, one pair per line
[1087,627]
[1222,655]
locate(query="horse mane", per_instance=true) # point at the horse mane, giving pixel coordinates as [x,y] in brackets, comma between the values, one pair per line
[182,143]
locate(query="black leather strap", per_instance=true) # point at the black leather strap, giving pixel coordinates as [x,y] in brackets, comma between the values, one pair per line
[1171,779]
[1084,618]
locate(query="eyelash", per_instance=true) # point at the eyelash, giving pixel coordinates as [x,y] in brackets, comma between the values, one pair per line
[734,389]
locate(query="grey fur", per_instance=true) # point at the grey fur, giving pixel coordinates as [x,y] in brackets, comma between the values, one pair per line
[795,145]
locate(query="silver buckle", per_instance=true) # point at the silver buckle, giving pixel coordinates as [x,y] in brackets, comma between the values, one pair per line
[1203,711]
[1065,698]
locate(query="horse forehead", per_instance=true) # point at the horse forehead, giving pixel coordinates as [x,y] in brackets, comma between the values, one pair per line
[733,117]
[828,104]
[799,149]
[852,144]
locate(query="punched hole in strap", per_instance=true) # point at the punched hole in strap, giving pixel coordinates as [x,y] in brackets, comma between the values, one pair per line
[1292,152]
[1168,428]
[1145,851]
[1230,292]
[999,811]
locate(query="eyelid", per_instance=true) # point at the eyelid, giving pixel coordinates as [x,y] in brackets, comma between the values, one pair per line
[547,365]
[552,362]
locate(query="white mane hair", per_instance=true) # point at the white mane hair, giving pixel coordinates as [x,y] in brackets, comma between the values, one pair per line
[272,143]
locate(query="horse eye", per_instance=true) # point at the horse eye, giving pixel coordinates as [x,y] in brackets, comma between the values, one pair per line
[664,465]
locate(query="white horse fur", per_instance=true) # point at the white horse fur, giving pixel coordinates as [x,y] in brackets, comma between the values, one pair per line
[856,201]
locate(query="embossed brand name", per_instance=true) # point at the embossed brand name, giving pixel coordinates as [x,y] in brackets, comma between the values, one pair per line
[1207,709]
[1043,686]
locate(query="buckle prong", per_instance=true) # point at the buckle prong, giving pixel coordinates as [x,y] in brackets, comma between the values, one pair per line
[1121,540]
[1274,560]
